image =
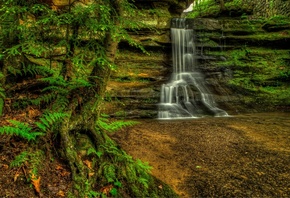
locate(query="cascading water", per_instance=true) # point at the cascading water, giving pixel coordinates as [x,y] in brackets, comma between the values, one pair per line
[186,95]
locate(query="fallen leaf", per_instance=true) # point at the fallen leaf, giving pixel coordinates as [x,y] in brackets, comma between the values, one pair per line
[64,173]
[36,183]
[15,177]
[91,174]
[61,193]
[32,113]
[58,167]
[88,163]
[21,22]
[106,189]
[5,166]
[3,158]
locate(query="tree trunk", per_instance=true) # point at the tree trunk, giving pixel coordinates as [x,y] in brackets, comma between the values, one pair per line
[98,166]
[85,120]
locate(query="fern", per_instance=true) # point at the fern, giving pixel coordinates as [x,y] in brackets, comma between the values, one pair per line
[49,119]
[57,81]
[14,71]
[2,93]
[19,159]
[59,85]
[77,83]
[34,160]
[1,106]
[93,151]
[57,89]
[143,165]
[36,69]
[104,123]
[109,172]
[143,181]
[60,103]
[46,98]
[20,129]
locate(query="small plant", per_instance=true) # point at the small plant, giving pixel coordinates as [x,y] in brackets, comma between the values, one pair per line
[104,123]
[20,159]
[49,119]
[32,161]
[20,129]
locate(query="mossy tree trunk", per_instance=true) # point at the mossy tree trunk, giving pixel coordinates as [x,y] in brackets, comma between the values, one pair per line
[69,54]
[85,120]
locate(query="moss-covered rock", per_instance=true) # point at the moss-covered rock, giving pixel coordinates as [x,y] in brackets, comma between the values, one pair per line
[243,52]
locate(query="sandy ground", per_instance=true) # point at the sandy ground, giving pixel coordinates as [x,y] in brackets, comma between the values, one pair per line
[239,156]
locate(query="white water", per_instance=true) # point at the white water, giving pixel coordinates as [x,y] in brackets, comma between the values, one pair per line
[186,95]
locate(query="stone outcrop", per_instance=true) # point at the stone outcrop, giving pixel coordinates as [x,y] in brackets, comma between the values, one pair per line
[245,60]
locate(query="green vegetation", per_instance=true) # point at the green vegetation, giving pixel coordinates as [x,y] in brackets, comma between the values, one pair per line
[257,56]
[56,61]
[20,129]
[261,72]
[209,8]
[204,8]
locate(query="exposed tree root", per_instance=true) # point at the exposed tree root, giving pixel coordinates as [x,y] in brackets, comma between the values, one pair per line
[99,166]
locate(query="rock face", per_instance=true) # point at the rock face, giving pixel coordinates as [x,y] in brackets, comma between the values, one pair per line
[245,60]
[134,90]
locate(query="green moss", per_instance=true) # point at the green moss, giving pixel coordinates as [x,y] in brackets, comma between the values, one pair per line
[261,73]
[277,94]
[277,23]
[204,8]
[238,7]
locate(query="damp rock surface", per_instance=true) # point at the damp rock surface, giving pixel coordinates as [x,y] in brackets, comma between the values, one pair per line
[241,156]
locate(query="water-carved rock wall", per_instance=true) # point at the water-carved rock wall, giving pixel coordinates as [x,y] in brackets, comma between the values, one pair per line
[245,61]
[134,89]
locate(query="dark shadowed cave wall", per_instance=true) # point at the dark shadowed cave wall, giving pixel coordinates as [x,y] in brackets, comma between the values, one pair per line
[245,57]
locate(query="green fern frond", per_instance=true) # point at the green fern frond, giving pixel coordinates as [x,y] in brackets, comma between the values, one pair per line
[2,93]
[143,181]
[20,129]
[77,83]
[57,81]
[143,165]
[41,126]
[49,119]
[1,106]
[2,96]
[30,69]
[1,74]
[44,121]
[46,98]
[60,103]
[19,159]
[110,172]
[36,69]
[56,89]
[34,159]
[93,151]
[105,124]
[14,71]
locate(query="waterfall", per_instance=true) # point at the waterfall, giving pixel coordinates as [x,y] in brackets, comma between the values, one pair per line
[185,95]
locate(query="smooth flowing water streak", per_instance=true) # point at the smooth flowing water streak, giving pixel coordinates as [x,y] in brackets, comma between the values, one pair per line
[185,95]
